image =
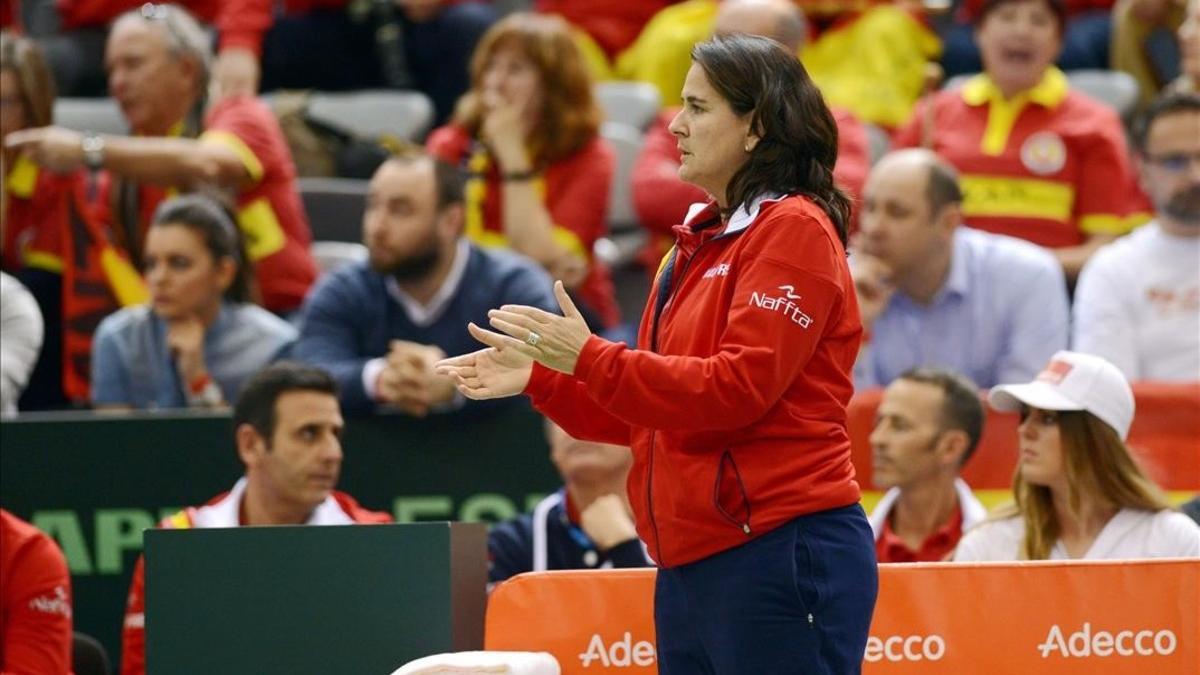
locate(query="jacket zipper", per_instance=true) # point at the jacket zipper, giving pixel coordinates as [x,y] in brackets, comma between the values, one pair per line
[653,341]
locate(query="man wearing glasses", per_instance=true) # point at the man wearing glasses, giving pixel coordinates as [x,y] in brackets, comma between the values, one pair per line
[1138,299]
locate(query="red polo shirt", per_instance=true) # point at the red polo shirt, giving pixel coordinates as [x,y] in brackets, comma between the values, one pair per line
[1049,166]
[890,548]
[270,213]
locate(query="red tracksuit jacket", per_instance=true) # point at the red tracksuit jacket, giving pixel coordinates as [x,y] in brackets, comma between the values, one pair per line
[735,401]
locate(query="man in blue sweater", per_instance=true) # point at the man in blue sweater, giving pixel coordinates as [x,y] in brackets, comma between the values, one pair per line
[379,326]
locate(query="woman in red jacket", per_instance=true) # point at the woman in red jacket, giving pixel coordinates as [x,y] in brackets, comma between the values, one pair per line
[538,172]
[735,401]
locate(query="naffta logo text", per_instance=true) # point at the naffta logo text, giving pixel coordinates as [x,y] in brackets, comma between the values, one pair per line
[1084,642]
[785,305]
[620,654]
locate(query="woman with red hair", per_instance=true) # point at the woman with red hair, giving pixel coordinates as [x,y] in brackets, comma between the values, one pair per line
[538,172]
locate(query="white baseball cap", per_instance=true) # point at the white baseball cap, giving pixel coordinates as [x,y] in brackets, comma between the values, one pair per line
[1074,381]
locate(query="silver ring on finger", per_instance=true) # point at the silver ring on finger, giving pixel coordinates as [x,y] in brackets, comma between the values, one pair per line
[533,339]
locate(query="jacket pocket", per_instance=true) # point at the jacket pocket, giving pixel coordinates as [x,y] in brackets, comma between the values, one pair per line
[729,494]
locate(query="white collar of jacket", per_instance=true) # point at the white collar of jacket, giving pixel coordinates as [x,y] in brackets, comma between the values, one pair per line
[745,215]
[225,512]
[973,512]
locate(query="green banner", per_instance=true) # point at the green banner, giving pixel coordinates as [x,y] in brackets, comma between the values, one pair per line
[95,482]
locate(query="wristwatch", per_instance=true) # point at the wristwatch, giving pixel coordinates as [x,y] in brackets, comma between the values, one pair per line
[93,150]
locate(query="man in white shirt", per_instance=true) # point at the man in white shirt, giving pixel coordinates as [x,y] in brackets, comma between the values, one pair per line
[928,425]
[1138,299]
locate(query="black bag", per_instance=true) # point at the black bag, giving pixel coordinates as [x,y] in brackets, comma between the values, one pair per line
[320,148]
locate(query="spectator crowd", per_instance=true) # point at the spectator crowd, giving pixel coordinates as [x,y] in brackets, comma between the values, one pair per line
[1022,238]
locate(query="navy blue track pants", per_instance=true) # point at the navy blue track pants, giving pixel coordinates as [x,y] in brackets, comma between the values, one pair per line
[798,599]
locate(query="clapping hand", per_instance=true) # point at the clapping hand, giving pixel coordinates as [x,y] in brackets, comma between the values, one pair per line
[552,340]
[527,334]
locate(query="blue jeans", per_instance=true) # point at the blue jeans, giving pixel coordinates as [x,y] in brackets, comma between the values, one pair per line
[798,599]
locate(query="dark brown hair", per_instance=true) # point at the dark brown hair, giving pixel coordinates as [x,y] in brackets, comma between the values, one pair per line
[961,408]
[798,143]
[1056,7]
[1167,104]
[448,180]
[217,228]
[256,402]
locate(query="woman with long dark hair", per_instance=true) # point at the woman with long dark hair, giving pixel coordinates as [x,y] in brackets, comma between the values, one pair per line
[735,400]
[199,337]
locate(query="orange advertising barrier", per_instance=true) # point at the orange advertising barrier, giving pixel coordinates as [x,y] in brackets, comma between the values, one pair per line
[1165,438]
[1061,618]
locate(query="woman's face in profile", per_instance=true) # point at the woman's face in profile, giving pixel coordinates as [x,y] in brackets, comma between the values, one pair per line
[712,138]
[1039,440]
[512,78]
[183,276]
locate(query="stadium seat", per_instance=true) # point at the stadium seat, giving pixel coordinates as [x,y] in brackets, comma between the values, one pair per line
[1114,87]
[372,113]
[335,207]
[628,102]
[1163,438]
[625,238]
[878,142]
[100,115]
[88,656]
[331,255]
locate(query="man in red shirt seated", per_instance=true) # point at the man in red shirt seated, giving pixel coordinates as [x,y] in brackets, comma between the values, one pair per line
[287,427]
[35,601]
[928,424]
